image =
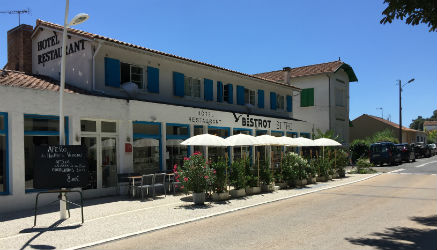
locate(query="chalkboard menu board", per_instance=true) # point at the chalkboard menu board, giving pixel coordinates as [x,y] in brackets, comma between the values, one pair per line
[60,167]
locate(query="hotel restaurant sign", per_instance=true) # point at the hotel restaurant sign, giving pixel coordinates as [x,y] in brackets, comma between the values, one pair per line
[53,50]
[236,120]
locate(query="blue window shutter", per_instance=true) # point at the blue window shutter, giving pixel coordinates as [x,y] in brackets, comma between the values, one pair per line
[230,93]
[207,90]
[260,98]
[289,104]
[219,92]
[272,100]
[153,79]
[240,95]
[112,72]
[178,84]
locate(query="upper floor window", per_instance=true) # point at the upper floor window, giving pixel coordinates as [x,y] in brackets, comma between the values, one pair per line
[131,73]
[280,102]
[307,97]
[191,87]
[339,97]
[249,96]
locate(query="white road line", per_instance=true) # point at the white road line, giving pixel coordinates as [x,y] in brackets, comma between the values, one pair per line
[421,165]
[395,171]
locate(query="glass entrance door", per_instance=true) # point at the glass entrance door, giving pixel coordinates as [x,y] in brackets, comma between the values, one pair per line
[109,161]
[91,144]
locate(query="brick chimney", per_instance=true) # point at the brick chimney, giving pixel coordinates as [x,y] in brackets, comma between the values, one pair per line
[20,48]
[286,75]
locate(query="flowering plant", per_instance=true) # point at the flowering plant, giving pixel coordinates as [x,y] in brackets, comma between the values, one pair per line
[196,175]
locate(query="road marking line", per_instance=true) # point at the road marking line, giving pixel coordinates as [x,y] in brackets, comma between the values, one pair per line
[421,165]
[211,215]
[395,171]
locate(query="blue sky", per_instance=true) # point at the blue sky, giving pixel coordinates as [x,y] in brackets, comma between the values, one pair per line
[253,36]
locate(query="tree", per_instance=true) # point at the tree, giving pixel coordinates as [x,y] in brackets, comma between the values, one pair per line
[414,12]
[431,136]
[417,123]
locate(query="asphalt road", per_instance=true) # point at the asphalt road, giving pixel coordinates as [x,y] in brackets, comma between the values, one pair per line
[391,211]
[420,166]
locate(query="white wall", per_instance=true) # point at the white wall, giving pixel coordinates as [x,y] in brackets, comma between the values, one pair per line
[19,101]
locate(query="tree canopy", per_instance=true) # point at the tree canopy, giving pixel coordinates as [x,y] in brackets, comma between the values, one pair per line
[418,122]
[414,12]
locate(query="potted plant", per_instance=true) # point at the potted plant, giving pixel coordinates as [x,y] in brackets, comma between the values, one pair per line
[322,169]
[238,178]
[279,178]
[342,159]
[252,181]
[301,174]
[266,177]
[196,176]
[220,183]
[311,172]
[288,169]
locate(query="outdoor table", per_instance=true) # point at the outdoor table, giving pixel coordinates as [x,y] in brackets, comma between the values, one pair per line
[132,181]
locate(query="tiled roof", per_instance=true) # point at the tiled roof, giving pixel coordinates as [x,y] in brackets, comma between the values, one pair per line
[95,36]
[23,80]
[430,123]
[329,67]
[392,123]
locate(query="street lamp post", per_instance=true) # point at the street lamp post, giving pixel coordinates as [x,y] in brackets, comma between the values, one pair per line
[400,107]
[79,18]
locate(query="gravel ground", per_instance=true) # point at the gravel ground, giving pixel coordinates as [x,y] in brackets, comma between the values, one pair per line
[117,217]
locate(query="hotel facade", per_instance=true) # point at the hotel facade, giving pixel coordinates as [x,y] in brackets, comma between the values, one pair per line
[130,107]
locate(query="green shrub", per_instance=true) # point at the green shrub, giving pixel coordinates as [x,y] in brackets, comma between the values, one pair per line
[364,166]
[251,173]
[238,175]
[322,166]
[265,173]
[294,167]
[359,148]
[220,181]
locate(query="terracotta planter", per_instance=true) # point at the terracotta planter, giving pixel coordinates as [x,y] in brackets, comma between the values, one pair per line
[329,177]
[199,198]
[220,196]
[281,185]
[267,188]
[335,176]
[301,183]
[236,193]
[253,190]
[322,178]
[342,173]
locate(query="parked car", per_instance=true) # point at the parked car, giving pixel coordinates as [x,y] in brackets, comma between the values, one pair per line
[384,152]
[433,149]
[407,153]
[422,149]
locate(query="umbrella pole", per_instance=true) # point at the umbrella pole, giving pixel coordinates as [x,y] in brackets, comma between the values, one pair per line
[335,158]
[282,157]
[311,153]
[258,166]
[226,170]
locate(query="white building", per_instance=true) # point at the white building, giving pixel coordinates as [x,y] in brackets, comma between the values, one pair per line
[127,127]
[324,99]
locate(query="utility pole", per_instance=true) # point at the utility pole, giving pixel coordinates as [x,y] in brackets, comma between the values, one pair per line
[19,12]
[400,107]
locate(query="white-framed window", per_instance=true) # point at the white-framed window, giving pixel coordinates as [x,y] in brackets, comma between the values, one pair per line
[249,96]
[191,87]
[339,97]
[280,100]
[132,73]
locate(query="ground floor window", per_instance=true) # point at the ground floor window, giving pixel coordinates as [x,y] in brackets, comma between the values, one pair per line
[215,153]
[176,133]
[240,151]
[261,151]
[39,130]
[277,151]
[146,147]
[4,154]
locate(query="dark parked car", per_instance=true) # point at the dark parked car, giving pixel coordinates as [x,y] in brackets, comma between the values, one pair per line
[384,152]
[407,153]
[422,150]
[433,149]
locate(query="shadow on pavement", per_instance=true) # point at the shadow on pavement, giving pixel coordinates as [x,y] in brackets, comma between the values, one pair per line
[403,238]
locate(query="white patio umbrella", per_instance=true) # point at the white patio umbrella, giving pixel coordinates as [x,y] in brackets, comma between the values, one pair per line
[242,140]
[206,140]
[267,140]
[303,142]
[286,141]
[326,142]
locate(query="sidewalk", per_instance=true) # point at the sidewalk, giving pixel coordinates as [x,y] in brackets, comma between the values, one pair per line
[117,217]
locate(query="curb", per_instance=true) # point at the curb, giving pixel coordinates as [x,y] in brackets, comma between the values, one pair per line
[213,215]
